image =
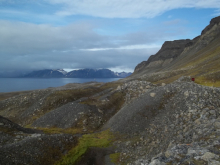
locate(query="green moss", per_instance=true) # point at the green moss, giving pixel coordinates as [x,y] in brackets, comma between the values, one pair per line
[115,158]
[102,139]
[200,162]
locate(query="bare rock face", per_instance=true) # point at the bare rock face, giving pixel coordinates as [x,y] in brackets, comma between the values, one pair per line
[140,66]
[206,37]
[169,51]
[214,21]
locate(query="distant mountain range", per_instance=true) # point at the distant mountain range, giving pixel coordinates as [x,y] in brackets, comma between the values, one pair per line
[81,73]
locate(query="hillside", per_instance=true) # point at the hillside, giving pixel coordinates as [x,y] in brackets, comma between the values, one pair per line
[156,116]
[199,58]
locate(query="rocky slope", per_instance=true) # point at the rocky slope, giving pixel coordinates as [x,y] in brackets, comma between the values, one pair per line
[180,114]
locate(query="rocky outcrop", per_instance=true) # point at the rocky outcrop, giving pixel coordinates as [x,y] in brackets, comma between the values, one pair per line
[213,22]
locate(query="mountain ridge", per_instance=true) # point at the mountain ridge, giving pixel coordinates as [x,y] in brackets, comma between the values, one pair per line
[81,73]
[185,58]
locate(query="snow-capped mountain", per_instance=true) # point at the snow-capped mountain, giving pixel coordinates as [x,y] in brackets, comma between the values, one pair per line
[81,73]
[122,74]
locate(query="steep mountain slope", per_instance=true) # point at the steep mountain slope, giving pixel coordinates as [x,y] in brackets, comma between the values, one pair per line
[199,58]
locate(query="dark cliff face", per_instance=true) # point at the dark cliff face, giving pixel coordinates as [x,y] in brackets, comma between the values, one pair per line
[214,21]
[169,50]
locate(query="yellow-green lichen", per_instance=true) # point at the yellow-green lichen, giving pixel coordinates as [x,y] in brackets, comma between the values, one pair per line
[102,139]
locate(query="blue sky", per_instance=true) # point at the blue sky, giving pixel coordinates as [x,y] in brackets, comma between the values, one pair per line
[40,34]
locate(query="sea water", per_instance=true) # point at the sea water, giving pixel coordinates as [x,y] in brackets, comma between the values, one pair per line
[24,84]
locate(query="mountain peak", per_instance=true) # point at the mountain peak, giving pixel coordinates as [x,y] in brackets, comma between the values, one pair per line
[213,22]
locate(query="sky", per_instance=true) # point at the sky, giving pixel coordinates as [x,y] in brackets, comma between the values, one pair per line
[76,34]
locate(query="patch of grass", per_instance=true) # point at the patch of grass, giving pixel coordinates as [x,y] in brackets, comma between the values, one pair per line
[55,130]
[102,139]
[207,82]
[203,56]
[115,158]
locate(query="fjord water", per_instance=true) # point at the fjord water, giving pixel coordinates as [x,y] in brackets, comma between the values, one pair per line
[24,84]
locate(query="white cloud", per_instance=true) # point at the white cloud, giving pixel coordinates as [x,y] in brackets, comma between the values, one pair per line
[128,47]
[26,38]
[128,8]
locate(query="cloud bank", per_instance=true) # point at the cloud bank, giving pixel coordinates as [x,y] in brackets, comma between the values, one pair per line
[30,46]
